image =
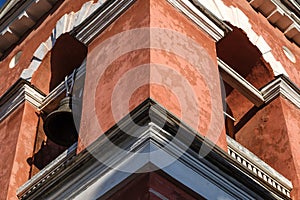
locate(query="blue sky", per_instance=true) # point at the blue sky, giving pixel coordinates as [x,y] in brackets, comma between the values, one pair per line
[2,2]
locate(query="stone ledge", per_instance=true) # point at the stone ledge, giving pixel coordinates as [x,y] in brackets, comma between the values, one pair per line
[82,175]
[20,92]
[281,85]
[258,167]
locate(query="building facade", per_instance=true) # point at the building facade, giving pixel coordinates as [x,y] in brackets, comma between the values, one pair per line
[150,99]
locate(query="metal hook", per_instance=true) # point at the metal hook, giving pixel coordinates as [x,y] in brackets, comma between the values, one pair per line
[70,89]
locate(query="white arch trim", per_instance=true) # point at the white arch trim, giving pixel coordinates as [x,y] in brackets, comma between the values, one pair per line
[232,14]
[64,25]
[237,18]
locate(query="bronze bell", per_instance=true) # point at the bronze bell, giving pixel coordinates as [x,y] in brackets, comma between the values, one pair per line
[59,125]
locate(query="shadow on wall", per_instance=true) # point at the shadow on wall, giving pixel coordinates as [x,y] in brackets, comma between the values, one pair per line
[67,54]
[44,151]
[237,51]
[47,152]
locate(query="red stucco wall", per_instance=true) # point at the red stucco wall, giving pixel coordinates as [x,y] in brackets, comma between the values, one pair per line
[18,132]
[162,80]
[273,135]
[9,130]
[152,186]
[23,150]
[291,116]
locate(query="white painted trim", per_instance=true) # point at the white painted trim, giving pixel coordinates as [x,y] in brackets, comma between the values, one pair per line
[201,19]
[96,179]
[17,95]
[258,167]
[239,19]
[281,86]
[99,20]
[24,91]
[56,165]
[33,96]
[242,85]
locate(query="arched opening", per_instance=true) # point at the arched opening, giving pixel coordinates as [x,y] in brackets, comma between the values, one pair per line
[65,60]
[67,54]
[245,59]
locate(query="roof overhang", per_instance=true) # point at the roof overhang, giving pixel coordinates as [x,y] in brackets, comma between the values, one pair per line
[283,14]
[17,18]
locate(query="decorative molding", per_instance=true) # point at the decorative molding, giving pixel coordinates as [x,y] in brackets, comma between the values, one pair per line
[203,18]
[293,5]
[238,82]
[258,167]
[100,19]
[283,14]
[86,177]
[51,169]
[282,85]
[23,91]
[239,19]
[19,17]
[20,92]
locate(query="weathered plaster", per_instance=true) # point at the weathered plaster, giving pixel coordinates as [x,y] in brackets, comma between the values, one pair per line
[272,134]
[165,67]
[9,130]
[291,116]
[24,149]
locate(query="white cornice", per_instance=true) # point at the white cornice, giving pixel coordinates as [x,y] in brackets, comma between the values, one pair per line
[33,96]
[20,92]
[242,85]
[100,19]
[55,166]
[281,16]
[281,86]
[83,176]
[258,167]
[23,91]
[203,18]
